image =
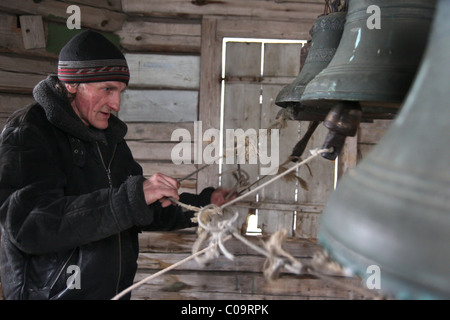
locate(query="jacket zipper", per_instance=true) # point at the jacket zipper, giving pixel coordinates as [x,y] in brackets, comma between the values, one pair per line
[108,173]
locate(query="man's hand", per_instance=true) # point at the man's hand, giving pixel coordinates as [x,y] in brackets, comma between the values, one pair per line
[221,196]
[160,187]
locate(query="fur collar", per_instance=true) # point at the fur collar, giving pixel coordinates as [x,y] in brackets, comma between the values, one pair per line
[61,114]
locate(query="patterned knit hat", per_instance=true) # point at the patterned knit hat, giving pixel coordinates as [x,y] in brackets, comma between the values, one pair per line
[90,57]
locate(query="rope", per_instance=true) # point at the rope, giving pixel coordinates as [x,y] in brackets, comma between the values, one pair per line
[173,266]
[211,222]
[314,153]
[218,229]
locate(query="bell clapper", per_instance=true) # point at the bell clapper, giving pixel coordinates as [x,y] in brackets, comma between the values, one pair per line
[342,121]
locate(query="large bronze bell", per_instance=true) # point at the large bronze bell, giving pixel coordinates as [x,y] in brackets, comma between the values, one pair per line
[326,34]
[372,68]
[392,212]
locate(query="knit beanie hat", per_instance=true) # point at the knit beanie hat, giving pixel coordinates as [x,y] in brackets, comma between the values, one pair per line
[90,57]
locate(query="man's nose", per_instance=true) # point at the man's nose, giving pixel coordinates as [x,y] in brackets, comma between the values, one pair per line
[114,102]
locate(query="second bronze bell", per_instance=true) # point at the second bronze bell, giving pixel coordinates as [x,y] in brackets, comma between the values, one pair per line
[326,34]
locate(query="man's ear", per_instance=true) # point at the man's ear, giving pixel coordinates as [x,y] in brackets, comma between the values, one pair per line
[71,87]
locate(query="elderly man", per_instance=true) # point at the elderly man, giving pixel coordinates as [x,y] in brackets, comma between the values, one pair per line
[73,199]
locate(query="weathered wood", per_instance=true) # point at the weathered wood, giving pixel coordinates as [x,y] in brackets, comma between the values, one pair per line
[243,59]
[10,102]
[115,5]
[18,82]
[11,38]
[157,261]
[209,99]
[307,225]
[156,151]
[181,241]
[260,8]
[168,168]
[373,132]
[91,17]
[32,32]
[240,286]
[279,206]
[364,149]
[302,1]
[180,37]
[225,279]
[283,190]
[157,132]
[214,28]
[263,80]
[357,147]
[164,71]
[26,65]
[321,177]
[159,106]
[320,183]
[281,59]
[264,28]
[241,263]
[241,111]
[246,71]
[348,158]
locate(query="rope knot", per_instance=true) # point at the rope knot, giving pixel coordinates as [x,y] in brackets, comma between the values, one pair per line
[277,257]
[213,224]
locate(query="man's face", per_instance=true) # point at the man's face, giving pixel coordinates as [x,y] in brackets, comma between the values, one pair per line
[94,102]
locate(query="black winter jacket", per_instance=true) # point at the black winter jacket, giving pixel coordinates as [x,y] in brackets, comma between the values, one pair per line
[72,204]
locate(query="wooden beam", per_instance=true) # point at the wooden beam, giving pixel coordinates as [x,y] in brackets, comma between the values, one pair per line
[155,151]
[21,74]
[95,18]
[209,99]
[12,82]
[33,32]
[157,132]
[235,285]
[225,279]
[272,10]
[164,71]
[247,263]
[371,133]
[11,38]
[266,29]
[181,241]
[12,102]
[348,158]
[167,168]
[159,105]
[115,5]
[26,65]
[161,36]
[266,205]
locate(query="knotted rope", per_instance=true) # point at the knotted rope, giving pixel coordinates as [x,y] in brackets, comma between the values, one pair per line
[219,227]
[212,226]
[218,230]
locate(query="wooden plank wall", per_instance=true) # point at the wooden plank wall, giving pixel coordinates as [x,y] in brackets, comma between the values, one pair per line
[240,279]
[243,109]
[168,42]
